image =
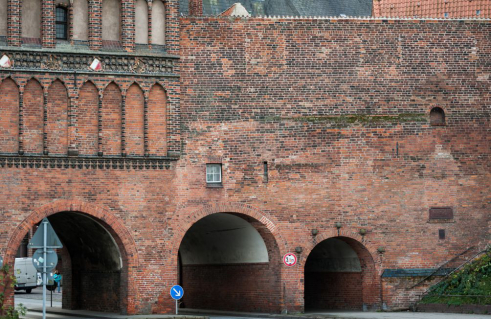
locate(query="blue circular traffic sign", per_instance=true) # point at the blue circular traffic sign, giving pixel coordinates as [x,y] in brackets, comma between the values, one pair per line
[176,292]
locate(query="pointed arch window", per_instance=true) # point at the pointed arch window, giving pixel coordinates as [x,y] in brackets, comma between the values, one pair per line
[61,23]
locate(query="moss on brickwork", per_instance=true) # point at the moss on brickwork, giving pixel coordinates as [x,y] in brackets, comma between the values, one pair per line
[471,285]
[354,118]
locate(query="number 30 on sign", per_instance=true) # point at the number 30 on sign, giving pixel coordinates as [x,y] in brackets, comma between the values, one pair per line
[290,259]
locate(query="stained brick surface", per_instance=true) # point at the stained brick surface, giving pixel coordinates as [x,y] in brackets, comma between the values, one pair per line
[339,110]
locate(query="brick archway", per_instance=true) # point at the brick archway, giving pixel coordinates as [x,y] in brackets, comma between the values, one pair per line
[182,224]
[370,274]
[267,275]
[122,237]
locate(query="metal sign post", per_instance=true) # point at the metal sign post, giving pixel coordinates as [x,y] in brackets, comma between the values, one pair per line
[45,237]
[45,241]
[176,292]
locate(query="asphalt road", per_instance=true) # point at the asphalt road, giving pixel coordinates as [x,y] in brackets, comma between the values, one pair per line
[34,301]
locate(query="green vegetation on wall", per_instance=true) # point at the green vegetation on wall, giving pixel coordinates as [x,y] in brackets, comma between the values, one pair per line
[471,285]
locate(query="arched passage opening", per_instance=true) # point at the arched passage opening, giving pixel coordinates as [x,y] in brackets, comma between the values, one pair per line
[93,263]
[340,275]
[230,262]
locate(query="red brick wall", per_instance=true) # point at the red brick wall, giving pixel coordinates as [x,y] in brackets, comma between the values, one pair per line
[134,121]
[338,290]
[33,118]
[239,287]
[157,119]
[340,111]
[9,117]
[57,121]
[87,119]
[96,291]
[111,120]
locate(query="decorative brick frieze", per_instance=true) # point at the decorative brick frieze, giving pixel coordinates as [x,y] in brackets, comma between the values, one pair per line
[162,65]
[86,163]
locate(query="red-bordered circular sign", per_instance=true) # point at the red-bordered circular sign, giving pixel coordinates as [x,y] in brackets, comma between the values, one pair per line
[290,259]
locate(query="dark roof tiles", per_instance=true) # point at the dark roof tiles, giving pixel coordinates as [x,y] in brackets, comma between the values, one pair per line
[296,8]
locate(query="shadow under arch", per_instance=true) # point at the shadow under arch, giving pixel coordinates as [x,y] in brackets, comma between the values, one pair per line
[229,276]
[340,273]
[94,217]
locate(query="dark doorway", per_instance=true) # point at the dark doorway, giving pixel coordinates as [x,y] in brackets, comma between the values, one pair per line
[339,274]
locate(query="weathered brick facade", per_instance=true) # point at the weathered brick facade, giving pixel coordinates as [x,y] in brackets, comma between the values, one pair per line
[337,111]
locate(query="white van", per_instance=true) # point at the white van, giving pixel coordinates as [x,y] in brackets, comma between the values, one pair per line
[26,275]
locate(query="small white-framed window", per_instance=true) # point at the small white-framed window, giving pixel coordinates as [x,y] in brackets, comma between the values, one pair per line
[213,173]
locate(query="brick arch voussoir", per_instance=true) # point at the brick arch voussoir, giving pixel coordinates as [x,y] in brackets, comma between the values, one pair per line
[126,240]
[105,215]
[183,225]
[343,232]
[35,79]
[89,81]
[59,80]
[112,82]
[137,84]
[9,77]
[161,85]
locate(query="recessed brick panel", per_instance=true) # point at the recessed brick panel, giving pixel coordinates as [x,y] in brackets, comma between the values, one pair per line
[134,121]
[9,117]
[33,118]
[87,120]
[111,120]
[157,119]
[57,120]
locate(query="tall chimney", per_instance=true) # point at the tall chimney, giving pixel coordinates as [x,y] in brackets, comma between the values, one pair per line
[195,8]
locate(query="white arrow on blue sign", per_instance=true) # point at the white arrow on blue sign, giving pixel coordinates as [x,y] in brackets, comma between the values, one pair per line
[176,292]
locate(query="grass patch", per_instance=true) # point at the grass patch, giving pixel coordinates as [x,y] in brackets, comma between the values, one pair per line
[470,285]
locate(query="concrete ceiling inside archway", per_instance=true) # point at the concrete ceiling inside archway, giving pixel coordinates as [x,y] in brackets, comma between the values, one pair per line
[90,245]
[222,239]
[333,255]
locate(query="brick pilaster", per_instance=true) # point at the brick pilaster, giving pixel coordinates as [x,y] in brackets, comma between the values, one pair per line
[14,23]
[48,37]
[95,24]
[127,23]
